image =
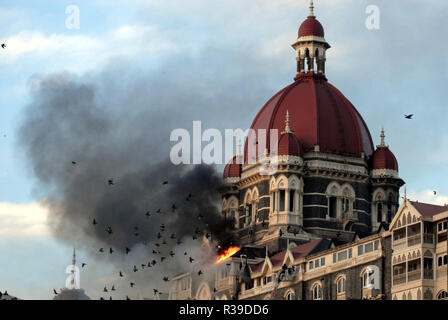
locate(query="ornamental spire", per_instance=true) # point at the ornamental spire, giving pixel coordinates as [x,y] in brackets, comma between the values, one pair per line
[382,136]
[311,9]
[287,128]
[74,257]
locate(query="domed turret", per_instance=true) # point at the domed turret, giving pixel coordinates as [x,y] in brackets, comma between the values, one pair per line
[288,144]
[383,160]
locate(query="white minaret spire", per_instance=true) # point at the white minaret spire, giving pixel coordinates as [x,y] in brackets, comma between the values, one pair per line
[382,136]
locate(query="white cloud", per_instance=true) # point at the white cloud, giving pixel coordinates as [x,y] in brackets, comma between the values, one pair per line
[427,196]
[78,53]
[23,220]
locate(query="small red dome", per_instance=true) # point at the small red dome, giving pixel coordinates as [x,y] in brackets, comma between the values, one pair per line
[289,145]
[383,158]
[311,27]
[232,169]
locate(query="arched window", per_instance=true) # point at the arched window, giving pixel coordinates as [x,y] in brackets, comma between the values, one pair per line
[289,295]
[389,209]
[409,295]
[340,285]
[442,295]
[332,207]
[379,212]
[317,291]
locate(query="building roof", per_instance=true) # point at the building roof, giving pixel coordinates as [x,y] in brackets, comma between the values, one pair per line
[383,158]
[428,210]
[232,169]
[289,145]
[320,115]
[311,27]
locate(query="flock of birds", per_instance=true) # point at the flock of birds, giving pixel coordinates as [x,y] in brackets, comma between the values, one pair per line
[162,237]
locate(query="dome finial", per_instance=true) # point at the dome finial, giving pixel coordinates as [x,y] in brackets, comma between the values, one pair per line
[311,9]
[287,128]
[382,136]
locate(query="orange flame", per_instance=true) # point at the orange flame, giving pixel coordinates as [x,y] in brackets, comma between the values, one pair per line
[227,254]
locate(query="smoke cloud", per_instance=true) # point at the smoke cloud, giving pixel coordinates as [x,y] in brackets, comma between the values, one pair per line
[115,124]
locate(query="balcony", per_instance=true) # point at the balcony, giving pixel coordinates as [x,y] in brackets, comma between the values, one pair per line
[414,240]
[399,243]
[428,274]
[399,279]
[414,275]
[428,238]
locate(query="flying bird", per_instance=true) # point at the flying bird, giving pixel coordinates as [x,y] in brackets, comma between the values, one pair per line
[147,214]
[83,265]
[435,192]
[101,250]
[121,274]
[74,163]
[199,272]
[105,289]
[165,182]
[111,250]
[127,250]
[109,230]
[166,279]
[162,258]
[132,284]
[135,269]
[111,182]
[54,291]
[173,207]
[191,259]
[409,116]
[155,291]
[94,221]
[113,288]
[3,45]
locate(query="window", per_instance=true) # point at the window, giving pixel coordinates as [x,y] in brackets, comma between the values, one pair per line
[322,261]
[332,207]
[258,282]
[290,295]
[360,250]
[375,245]
[442,226]
[442,295]
[379,212]
[232,218]
[350,253]
[311,265]
[249,214]
[343,255]
[185,284]
[267,280]
[341,285]
[273,201]
[335,258]
[345,205]
[442,260]
[317,292]
[282,200]
[368,247]
[291,201]
[225,272]
[318,263]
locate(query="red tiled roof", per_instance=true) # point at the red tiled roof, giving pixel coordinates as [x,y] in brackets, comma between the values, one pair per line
[232,169]
[383,158]
[319,115]
[311,27]
[288,145]
[428,210]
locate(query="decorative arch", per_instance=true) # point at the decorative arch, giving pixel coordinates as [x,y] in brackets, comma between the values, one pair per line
[289,294]
[379,195]
[333,189]
[409,295]
[428,295]
[203,292]
[316,291]
[340,283]
[419,294]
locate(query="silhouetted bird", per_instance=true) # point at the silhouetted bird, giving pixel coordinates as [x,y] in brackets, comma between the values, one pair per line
[153,262]
[155,291]
[132,284]
[409,116]
[109,230]
[54,291]
[111,182]
[94,221]
[173,207]
[105,289]
[127,250]
[113,288]
[171,253]
[135,269]
[143,266]
[111,250]
[101,250]
[165,182]
[191,259]
[158,211]
[74,163]
[435,192]
[147,214]
[83,265]
[166,279]
[214,290]
[154,251]
[162,258]
[199,272]
[3,45]
[185,253]
[121,274]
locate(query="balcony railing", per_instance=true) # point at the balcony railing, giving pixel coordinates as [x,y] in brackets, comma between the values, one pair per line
[415,275]
[428,238]
[415,239]
[399,243]
[428,274]
[399,278]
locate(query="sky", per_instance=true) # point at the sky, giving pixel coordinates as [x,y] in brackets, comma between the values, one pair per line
[235,51]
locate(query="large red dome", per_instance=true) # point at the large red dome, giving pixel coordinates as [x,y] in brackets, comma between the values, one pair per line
[319,115]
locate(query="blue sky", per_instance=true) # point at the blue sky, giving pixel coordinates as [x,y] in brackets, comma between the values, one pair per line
[400,68]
